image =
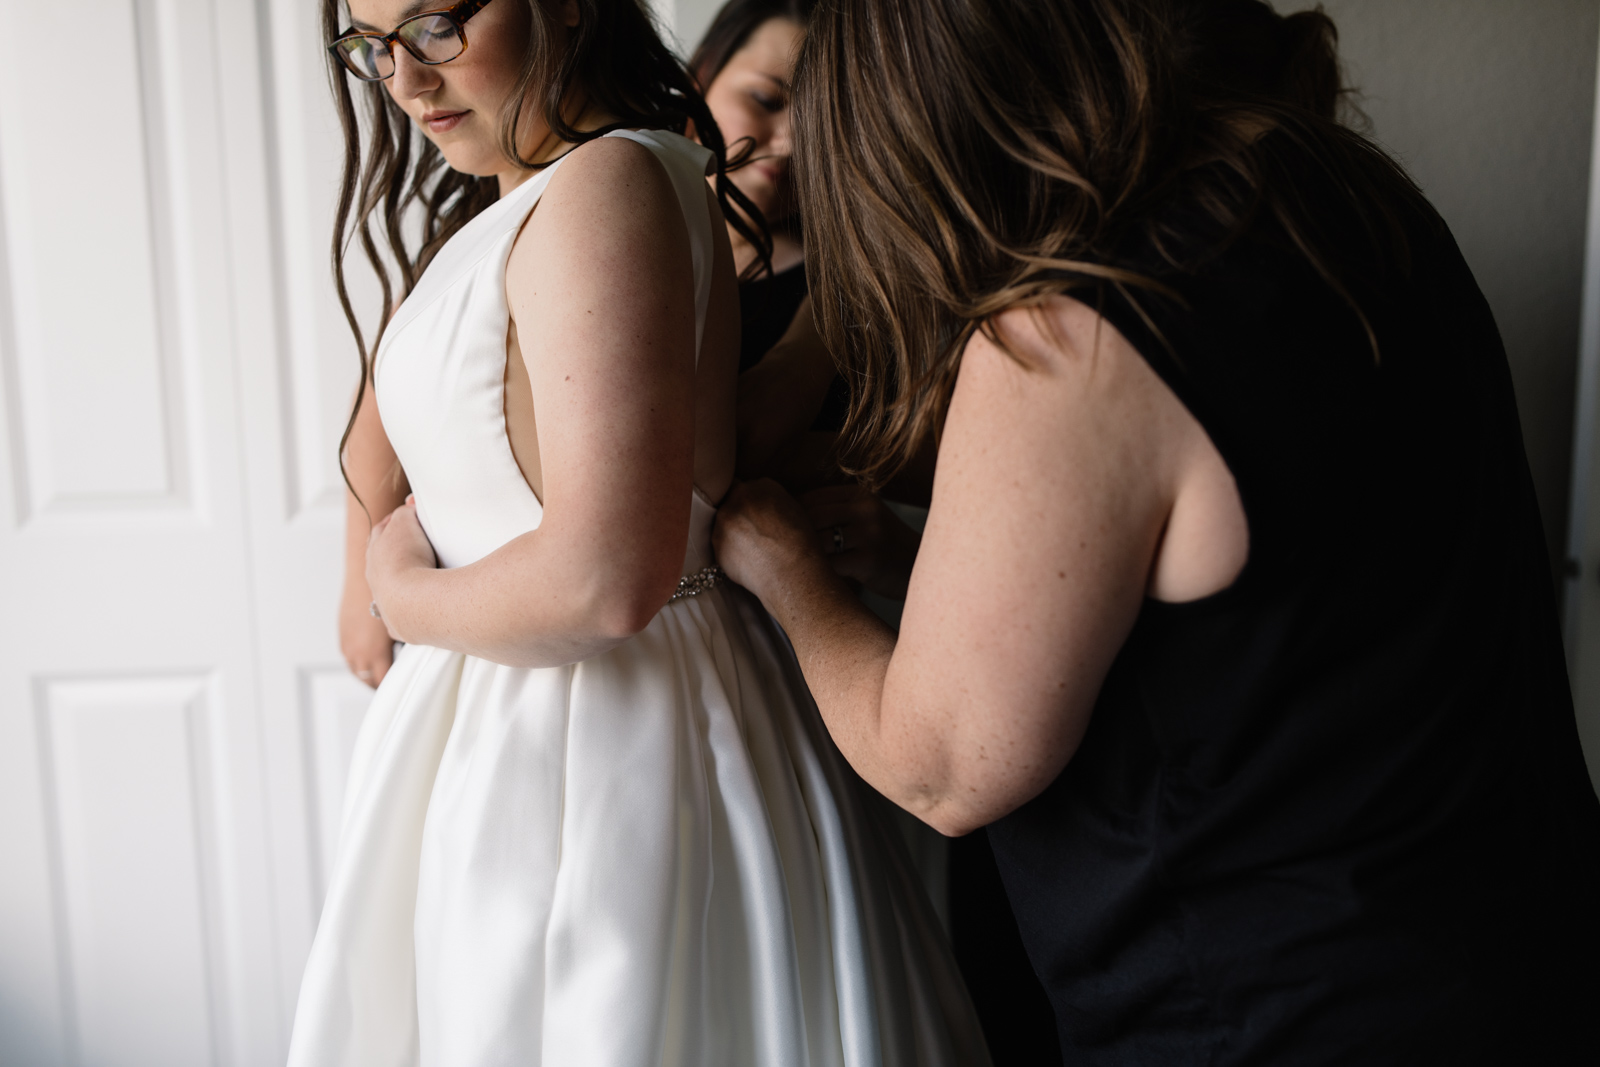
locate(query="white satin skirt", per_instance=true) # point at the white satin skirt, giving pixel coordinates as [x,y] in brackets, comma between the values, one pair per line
[654,856]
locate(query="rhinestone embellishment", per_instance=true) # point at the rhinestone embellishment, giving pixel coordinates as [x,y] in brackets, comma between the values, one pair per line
[696,583]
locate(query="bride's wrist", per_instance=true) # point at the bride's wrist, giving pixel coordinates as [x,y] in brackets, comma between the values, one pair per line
[395,601]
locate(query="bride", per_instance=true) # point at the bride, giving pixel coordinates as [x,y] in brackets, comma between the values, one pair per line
[592,816]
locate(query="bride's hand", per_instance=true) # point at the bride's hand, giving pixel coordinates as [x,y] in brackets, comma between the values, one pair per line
[764,540]
[364,641]
[397,549]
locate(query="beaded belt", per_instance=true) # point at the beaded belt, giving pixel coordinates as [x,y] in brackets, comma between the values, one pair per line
[696,583]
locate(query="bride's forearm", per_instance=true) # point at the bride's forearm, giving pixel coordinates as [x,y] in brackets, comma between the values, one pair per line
[531,603]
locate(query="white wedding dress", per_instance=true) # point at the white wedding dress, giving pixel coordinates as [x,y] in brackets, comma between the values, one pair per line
[653,856]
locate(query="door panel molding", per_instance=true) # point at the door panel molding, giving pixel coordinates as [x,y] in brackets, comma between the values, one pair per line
[133,844]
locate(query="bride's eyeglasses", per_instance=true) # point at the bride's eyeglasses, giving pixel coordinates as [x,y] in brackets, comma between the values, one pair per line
[433,37]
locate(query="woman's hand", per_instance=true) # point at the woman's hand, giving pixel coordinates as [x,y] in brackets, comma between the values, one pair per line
[862,538]
[397,550]
[765,541]
[364,641]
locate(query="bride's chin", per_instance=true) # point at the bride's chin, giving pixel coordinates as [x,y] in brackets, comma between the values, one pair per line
[471,160]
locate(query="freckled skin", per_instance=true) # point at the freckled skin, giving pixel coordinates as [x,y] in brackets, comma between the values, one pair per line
[1076,459]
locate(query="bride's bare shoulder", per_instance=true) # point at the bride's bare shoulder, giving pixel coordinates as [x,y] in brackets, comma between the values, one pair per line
[610,211]
[610,173]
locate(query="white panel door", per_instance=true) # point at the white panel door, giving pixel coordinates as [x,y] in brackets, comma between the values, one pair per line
[174,718]
[135,912]
[298,371]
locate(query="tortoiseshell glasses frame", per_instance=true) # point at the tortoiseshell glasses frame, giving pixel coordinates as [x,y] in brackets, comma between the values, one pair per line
[432,37]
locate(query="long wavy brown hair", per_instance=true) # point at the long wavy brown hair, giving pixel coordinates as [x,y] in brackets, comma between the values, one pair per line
[956,158]
[400,202]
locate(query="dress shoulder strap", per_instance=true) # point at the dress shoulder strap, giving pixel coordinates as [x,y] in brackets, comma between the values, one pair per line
[493,229]
[687,165]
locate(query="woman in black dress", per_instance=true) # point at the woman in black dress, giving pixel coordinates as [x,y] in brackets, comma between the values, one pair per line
[792,400]
[791,406]
[1232,618]
[788,385]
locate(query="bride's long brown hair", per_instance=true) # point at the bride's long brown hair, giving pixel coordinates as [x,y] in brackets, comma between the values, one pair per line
[401,181]
[956,158]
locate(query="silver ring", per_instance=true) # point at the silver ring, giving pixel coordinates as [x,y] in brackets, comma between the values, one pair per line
[372,609]
[838,539]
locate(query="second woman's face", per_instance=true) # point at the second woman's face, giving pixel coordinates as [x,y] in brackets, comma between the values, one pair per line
[749,98]
[458,104]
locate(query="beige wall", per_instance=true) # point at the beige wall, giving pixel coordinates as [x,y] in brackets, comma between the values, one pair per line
[1490,104]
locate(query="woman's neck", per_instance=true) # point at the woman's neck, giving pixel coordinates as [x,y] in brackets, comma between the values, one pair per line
[579,116]
[787,251]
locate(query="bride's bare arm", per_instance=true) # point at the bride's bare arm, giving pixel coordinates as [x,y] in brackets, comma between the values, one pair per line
[1064,490]
[604,304]
[370,464]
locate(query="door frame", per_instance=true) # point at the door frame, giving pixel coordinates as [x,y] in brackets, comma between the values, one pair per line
[1581,599]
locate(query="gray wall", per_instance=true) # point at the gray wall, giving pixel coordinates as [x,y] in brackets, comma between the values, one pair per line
[688,18]
[1490,105]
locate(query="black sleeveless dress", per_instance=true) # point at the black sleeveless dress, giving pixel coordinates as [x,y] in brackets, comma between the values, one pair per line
[767,306]
[1337,813]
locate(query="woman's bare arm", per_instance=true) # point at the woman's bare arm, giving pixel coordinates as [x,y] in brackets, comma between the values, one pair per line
[1060,487]
[374,471]
[605,311]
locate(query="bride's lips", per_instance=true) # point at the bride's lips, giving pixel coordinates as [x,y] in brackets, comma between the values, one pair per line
[442,121]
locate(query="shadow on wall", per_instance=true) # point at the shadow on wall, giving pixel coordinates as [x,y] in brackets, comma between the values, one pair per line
[28,1037]
[1490,106]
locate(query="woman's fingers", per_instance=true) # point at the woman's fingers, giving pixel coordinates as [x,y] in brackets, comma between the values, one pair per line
[830,495]
[839,504]
[765,508]
[398,545]
[760,532]
[370,672]
[834,515]
[844,518]
[855,564]
[862,539]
